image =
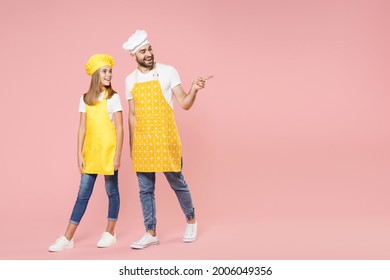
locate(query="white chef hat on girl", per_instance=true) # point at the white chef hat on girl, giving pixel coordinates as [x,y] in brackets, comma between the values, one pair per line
[136,41]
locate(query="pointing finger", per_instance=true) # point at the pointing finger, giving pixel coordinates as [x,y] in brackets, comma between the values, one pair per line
[207,77]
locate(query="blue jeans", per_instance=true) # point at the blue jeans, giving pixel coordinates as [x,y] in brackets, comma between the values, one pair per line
[86,187]
[146,181]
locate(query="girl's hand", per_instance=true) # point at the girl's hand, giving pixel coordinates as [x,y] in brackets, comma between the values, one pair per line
[117,162]
[80,164]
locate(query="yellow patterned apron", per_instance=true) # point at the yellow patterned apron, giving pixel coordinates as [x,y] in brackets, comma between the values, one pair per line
[156,145]
[100,140]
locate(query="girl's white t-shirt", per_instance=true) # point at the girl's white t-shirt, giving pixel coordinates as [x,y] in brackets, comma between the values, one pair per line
[113,104]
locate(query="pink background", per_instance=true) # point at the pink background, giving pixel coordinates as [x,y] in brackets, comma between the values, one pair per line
[286,151]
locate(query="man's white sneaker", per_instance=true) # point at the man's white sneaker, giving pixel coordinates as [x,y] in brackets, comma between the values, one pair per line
[191,232]
[61,244]
[106,240]
[146,240]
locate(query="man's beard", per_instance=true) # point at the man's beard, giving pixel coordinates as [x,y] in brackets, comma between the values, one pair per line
[146,64]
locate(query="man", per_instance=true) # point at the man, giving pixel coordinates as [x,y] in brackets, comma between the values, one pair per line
[154,140]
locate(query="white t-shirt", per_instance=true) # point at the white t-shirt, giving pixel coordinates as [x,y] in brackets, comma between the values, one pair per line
[167,76]
[113,104]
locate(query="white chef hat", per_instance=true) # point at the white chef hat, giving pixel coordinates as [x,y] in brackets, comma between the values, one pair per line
[136,41]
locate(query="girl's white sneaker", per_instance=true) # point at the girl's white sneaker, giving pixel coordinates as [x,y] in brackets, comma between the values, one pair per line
[61,244]
[106,240]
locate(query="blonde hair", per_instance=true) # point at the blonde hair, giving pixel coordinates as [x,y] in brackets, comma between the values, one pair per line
[92,95]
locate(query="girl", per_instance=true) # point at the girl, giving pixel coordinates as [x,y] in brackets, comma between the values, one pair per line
[100,139]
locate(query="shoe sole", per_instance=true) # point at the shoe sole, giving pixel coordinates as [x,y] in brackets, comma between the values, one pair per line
[134,246]
[59,250]
[105,245]
[189,240]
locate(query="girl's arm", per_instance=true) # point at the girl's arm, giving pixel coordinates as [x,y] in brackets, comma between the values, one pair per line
[118,122]
[80,141]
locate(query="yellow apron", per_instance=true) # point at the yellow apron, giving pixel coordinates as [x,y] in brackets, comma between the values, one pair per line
[156,144]
[100,140]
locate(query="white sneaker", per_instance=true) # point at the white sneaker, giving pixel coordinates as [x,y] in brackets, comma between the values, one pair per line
[106,240]
[61,244]
[191,232]
[145,241]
